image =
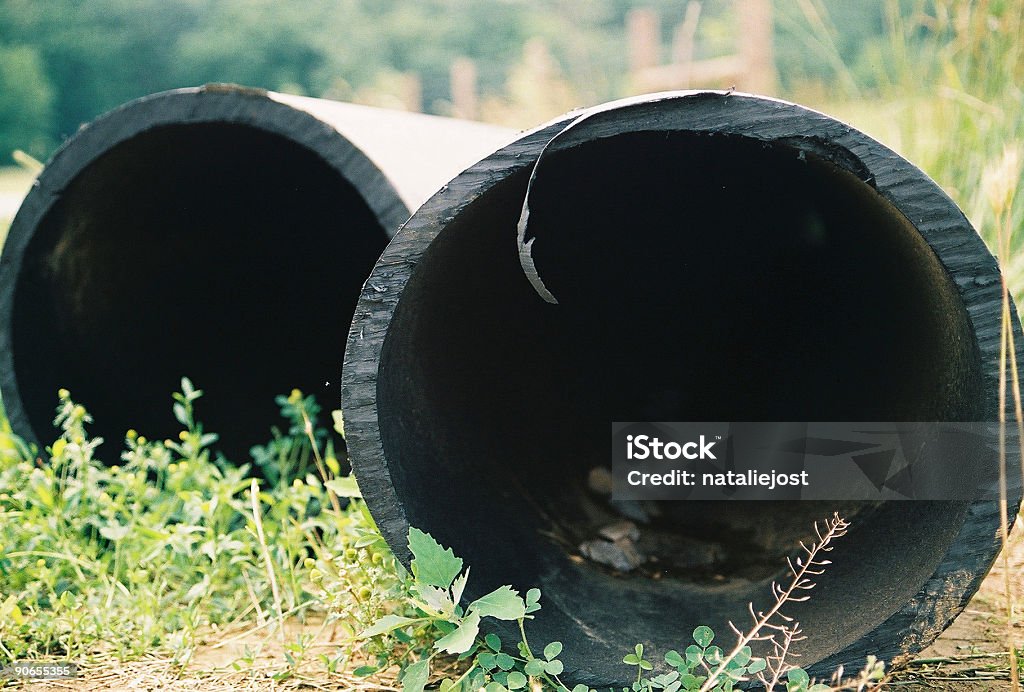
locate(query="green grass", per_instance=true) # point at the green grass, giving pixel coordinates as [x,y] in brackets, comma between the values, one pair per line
[948,97]
[144,558]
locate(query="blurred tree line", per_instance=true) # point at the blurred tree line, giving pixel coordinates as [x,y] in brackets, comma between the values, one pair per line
[63,62]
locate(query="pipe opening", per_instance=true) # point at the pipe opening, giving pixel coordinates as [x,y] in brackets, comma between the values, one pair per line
[700,277]
[223,252]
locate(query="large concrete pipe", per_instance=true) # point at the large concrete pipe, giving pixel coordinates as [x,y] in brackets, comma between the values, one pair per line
[715,257]
[219,233]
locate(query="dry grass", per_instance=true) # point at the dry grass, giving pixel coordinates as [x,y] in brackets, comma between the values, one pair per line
[228,660]
[972,654]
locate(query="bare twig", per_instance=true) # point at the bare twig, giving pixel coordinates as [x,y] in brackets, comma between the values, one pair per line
[803,569]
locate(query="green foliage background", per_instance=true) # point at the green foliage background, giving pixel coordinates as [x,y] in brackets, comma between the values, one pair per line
[63,62]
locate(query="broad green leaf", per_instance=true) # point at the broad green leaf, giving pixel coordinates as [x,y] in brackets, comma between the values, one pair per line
[713,655]
[694,655]
[555,667]
[692,682]
[462,638]
[742,656]
[503,603]
[532,600]
[363,671]
[798,676]
[475,680]
[339,423]
[552,650]
[505,662]
[416,676]
[756,665]
[346,486]
[386,624]
[493,641]
[703,635]
[516,680]
[486,661]
[436,599]
[674,659]
[534,668]
[459,585]
[581,688]
[631,660]
[819,687]
[665,678]
[432,564]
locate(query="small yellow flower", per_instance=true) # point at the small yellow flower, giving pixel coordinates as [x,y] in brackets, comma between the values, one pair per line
[63,393]
[295,397]
[183,435]
[131,434]
[40,563]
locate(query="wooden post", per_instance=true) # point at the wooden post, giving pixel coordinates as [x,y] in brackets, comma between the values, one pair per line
[411,89]
[462,77]
[755,46]
[684,39]
[684,42]
[643,28]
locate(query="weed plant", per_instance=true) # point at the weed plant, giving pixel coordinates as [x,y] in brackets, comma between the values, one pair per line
[138,558]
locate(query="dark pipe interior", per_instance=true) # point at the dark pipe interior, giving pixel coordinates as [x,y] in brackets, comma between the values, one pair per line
[699,278]
[222,252]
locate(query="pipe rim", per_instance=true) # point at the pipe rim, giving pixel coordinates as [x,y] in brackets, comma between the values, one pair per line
[948,233]
[225,104]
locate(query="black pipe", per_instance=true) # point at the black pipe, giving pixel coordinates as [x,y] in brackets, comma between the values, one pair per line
[219,233]
[714,257]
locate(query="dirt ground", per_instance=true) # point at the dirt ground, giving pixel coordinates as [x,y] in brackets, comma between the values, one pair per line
[969,657]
